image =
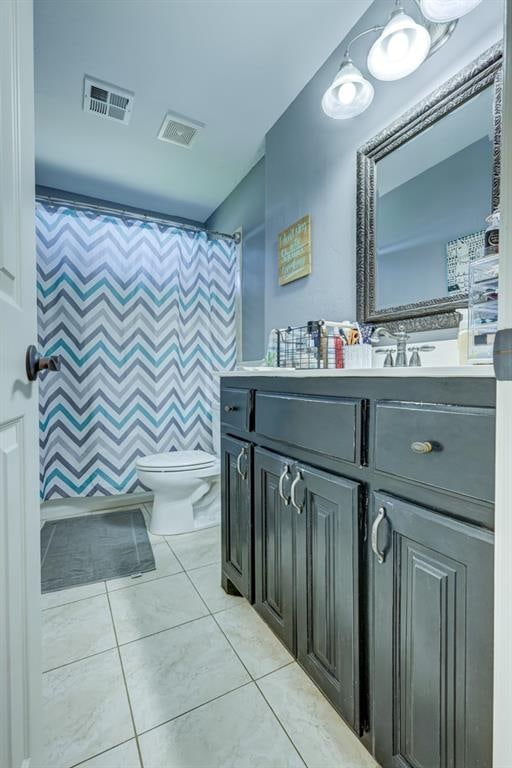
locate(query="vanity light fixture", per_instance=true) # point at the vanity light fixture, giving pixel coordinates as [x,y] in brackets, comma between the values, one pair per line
[350,93]
[442,11]
[401,48]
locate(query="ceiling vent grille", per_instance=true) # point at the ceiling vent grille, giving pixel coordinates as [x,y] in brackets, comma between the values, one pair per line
[108,101]
[179,130]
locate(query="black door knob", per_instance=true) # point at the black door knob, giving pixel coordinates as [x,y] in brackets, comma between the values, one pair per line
[35,363]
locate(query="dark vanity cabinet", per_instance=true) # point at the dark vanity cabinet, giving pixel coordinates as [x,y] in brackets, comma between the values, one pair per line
[358,517]
[328,553]
[432,644]
[274,545]
[236,512]
[306,563]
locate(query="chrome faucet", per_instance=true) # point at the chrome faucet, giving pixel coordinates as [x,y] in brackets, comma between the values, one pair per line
[401,338]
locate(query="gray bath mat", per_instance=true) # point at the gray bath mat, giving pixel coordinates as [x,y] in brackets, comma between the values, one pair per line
[82,550]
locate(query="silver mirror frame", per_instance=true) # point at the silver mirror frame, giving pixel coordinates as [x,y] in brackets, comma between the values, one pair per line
[435,313]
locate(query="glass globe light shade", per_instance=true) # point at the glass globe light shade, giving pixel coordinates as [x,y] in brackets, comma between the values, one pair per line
[443,11]
[400,49]
[349,94]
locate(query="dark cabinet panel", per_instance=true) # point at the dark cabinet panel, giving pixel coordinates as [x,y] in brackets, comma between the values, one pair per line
[274,544]
[327,425]
[328,551]
[236,513]
[235,408]
[445,446]
[432,636]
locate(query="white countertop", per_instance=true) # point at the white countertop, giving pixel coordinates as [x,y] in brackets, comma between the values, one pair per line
[476,371]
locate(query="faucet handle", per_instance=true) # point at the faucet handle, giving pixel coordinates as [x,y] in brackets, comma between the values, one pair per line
[415,360]
[388,360]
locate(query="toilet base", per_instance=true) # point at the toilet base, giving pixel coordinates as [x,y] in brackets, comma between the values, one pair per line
[171,516]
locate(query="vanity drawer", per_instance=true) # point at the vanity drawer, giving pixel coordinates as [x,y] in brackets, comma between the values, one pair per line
[326,425]
[458,445]
[235,408]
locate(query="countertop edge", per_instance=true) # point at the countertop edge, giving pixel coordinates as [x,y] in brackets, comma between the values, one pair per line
[466,371]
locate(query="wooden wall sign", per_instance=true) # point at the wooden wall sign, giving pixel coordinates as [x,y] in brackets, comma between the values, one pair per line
[294,251]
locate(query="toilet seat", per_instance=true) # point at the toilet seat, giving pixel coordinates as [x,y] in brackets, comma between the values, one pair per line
[176,461]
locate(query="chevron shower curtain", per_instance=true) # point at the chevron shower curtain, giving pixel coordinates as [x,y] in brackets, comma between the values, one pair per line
[141,314]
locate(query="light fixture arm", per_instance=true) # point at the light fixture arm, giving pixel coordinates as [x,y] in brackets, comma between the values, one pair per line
[361,34]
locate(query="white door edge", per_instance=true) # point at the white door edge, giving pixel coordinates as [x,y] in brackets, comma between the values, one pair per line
[503,514]
[20,636]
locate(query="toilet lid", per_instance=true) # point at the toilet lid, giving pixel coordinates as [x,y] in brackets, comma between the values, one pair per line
[177,460]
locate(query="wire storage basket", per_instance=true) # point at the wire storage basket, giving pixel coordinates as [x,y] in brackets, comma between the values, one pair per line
[314,345]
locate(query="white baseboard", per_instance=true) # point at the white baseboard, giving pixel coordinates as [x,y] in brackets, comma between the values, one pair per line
[55,510]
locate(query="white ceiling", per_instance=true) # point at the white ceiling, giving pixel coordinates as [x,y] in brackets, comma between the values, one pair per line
[234,65]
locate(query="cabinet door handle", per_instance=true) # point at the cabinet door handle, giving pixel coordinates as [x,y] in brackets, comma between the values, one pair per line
[240,456]
[229,408]
[421,447]
[283,476]
[375,534]
[298,507]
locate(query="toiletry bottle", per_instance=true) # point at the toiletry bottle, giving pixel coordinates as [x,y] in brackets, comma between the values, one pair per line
[463,337]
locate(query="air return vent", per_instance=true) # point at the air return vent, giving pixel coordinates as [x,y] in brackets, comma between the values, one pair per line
[108,101]
[179,130]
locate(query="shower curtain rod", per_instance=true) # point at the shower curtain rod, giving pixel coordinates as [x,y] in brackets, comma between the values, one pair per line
[140,216]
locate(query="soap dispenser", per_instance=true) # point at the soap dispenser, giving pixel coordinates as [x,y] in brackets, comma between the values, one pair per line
[463,337]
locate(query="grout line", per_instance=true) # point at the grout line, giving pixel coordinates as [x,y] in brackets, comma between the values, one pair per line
[280,723]
[82,658]
[175,555]
[198,567]
[161,631]
[198,706]
[195,568]
[104,752]
[125,684]
[267,674]
[137,583]
[72,602]
[222,631]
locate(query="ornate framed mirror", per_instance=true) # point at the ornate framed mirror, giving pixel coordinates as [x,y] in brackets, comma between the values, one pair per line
[425,185]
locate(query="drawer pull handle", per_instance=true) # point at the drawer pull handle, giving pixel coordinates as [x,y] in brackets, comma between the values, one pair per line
[282,478]
[375,534]
[229,408]
[298,507]
[421,447]
[240,456]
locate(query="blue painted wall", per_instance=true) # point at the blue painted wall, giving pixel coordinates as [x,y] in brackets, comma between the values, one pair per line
[245,208]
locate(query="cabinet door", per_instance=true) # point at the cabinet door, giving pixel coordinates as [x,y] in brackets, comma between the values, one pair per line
[432,635]
[236,513]
[328,549]
[274,561]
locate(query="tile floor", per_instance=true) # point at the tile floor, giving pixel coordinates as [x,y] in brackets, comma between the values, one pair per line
[167,671]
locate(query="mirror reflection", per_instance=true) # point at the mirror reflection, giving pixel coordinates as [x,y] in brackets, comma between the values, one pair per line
[433,194]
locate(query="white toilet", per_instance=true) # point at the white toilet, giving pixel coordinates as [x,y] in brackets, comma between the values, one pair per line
[186,487]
